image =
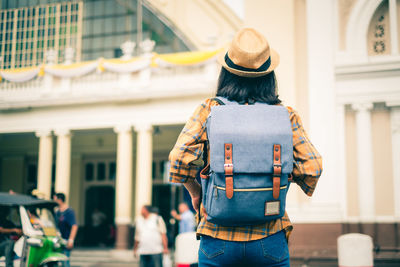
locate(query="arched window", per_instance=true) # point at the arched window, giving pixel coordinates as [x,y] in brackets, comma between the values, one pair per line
[107,24]
[93,28]
[384,29]
[379,31]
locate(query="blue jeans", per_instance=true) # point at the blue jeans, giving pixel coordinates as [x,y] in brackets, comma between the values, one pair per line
[270,251]
[151,260]
[67,253]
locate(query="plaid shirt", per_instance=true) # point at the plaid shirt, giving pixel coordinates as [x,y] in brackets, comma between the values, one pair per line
[186,158]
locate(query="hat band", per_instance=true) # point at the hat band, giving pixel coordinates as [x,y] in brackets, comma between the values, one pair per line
[232,65]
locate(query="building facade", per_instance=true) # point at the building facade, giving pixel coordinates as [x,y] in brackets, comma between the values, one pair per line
[100,130]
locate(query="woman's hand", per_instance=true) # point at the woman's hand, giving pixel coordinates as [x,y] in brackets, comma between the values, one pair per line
[194,189]
[196,203]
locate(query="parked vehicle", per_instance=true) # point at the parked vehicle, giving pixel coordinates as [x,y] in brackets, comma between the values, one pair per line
[40,243]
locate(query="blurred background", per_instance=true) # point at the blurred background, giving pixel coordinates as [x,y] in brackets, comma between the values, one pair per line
[94,93]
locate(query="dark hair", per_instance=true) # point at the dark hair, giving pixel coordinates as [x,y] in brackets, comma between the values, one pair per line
[247,89]
[60,196]
[155,210]
[148,208]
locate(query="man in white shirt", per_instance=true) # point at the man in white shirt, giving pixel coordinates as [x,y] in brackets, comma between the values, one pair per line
[150,238]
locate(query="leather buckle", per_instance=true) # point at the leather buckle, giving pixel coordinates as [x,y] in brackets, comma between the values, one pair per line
[228,167]
[277,165]
[277,170]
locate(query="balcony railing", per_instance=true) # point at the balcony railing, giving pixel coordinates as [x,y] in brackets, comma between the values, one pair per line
[110,80]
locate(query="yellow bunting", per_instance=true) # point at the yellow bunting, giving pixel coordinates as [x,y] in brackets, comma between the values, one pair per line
[19,70]
[121,61]
[187,58]
[81,68]
[41,71]
[100,66]
[20,75]
[71,66]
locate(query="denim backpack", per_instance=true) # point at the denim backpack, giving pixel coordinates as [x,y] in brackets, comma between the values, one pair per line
[251,158]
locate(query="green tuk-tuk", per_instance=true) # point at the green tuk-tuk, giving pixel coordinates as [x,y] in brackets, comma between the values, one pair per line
[40,243]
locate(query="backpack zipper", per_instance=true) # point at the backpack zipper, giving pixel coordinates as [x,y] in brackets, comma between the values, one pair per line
[249,189]
[216,191]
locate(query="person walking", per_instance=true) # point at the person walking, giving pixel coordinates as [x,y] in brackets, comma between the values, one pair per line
[246,77]
[98,227]
[185,217]
[150,238]
[66,221]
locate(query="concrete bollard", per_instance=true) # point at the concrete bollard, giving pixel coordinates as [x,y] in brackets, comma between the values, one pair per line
[186,249]
[355,250]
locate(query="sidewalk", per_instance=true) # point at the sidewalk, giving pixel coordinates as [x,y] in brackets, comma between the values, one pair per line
[103,257]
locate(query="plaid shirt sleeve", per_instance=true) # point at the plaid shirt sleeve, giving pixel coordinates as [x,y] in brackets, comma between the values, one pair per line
[307,162]
[186,156]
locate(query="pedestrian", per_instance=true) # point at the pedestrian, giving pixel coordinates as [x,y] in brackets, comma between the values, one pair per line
[98,227]
[246,77]
[66,221]
[185,217]
[150,238]
[7,229]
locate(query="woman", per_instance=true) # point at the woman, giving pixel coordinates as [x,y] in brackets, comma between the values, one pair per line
[247,76]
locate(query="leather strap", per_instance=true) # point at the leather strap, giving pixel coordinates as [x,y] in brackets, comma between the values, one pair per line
[277,172]
[204,173]
[290,178]
[219,101]
[229,187]
[228,168]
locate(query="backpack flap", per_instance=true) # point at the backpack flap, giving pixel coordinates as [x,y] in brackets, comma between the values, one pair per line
[253,130]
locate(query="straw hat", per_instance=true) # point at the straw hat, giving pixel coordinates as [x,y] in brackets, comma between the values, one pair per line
[249,55]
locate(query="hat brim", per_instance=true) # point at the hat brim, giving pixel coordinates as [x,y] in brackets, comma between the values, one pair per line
[274,63]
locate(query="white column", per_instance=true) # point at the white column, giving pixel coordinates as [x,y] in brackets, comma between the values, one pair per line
[365,164]
[341,157]
[395,123]
[144,158]
[123,187]
[321,95]
[45,163]
[63,162]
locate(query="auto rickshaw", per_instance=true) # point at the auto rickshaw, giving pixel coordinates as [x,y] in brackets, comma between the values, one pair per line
[40,243]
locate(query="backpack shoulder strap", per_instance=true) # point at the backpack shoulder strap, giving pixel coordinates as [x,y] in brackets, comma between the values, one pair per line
[224,101]
[204,173]
[218,100]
